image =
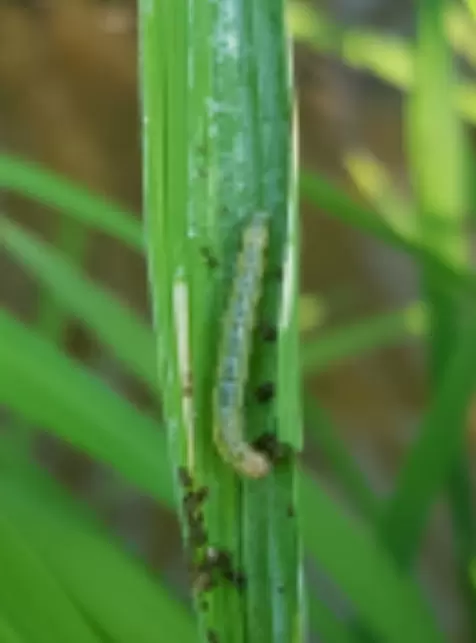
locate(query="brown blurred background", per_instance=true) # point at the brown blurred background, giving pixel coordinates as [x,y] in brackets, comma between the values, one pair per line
[69,100]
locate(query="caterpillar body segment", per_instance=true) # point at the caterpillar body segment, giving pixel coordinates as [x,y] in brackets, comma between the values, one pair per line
[235,348]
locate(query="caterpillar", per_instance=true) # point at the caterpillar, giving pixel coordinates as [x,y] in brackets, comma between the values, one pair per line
[234,353]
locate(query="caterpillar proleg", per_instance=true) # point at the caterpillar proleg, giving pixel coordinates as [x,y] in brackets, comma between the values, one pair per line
[234,353]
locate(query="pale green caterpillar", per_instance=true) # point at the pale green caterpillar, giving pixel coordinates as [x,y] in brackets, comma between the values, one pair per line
[234,353]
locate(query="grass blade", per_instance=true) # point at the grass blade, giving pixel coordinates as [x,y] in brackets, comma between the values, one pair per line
[437,450]
[111,321]
[48,389]
[389,58]
[452,276]
[35,183]
[348,474]
[8,634]
[112,590]
[217,123]
[351,341]
[28,586]
[383,596]
[441,185]
[328,626]
[471,4]
[352,568]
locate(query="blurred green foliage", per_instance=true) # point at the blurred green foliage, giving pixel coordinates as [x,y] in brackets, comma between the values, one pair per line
[65,578]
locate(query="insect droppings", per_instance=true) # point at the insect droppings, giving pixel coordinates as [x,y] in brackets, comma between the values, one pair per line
[209,258]
[265,392]
[268,332]
[185,477]
[212,636]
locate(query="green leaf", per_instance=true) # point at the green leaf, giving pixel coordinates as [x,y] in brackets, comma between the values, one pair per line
[339,205]
[32,597]
[388,57]
[349,342]
[112,322]
[332,446]
[114,591]
[385,597]
[471,4]
[217,151]
[438,447]
[46,388]
[7,633]
[135,450]
[461,29]
[328,626]
[33,182]
[440,181]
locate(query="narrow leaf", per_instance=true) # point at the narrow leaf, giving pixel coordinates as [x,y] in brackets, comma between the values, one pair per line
[46,388]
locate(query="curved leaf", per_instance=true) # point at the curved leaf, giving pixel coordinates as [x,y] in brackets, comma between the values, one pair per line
[111,588]
[48,389]
[32,598]
[34,182]
[111,321]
